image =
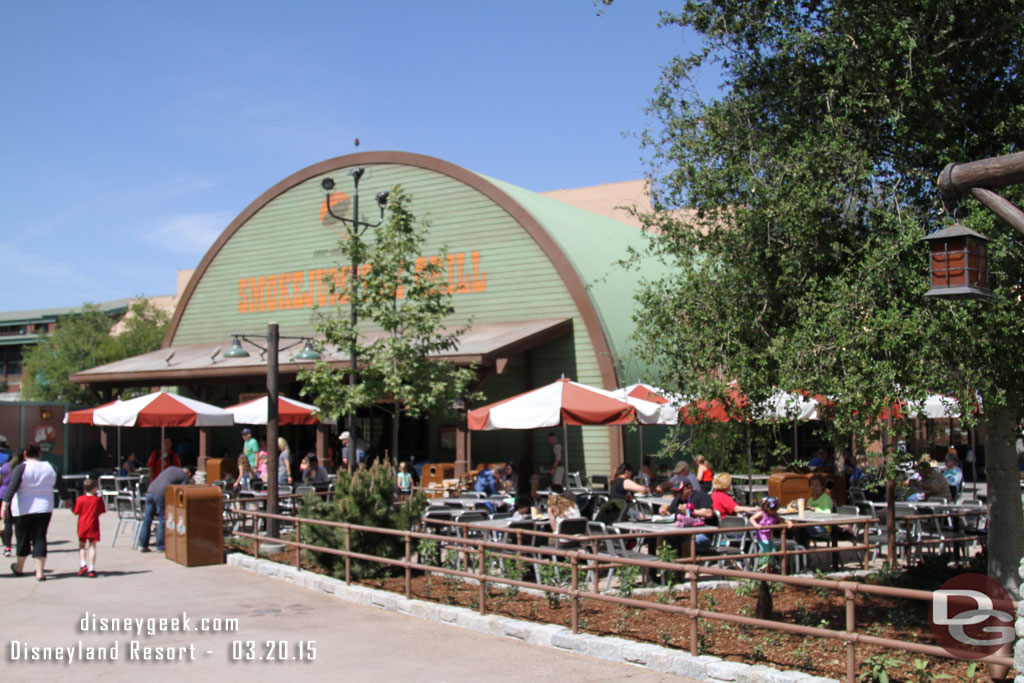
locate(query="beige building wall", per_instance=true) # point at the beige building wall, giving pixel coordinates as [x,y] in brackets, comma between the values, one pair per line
[620,201]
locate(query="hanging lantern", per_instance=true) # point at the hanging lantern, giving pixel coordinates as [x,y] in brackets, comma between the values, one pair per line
[959,263]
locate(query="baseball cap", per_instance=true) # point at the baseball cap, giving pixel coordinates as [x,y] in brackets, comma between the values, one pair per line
[246,430]
[684,484]
[343,436]
[680,466]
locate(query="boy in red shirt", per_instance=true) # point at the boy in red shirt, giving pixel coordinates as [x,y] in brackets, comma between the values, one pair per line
[88,508]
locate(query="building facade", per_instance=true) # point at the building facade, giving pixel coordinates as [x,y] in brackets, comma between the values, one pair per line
[541,282]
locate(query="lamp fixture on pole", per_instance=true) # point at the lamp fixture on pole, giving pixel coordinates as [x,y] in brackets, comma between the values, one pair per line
[357,229]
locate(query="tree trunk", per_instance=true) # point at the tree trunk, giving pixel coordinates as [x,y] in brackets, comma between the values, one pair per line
[394,436]
[1005,523]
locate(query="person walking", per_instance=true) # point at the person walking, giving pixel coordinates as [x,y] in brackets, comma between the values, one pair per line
[250,446]
[6,522]
[88,507]
[29,497]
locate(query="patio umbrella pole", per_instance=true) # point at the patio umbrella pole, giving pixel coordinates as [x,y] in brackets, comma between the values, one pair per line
[565,447]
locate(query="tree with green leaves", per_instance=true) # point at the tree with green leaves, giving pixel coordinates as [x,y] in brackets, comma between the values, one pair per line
[84,340]
[402,302]
[810,181]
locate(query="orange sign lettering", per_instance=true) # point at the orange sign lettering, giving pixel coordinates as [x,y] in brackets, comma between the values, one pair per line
[306,288]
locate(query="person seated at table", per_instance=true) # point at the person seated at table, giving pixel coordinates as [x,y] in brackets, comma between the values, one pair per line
[645,476]
[623,487]
[820,500]
[704,473]
[159,460]
[489,481]
[822,461]
[722,502]
[560,507]
[928,483]
[662,476]
[245,475]
[680,473]
[130,465]
[953,474]
[315,473]
[691,502]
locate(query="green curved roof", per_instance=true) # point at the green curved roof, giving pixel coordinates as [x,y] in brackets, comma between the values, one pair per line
[594,244]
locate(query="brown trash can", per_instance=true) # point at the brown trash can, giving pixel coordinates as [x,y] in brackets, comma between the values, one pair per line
[219,469]
[195,527]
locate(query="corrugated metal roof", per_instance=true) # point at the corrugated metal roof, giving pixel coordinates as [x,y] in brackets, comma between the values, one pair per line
[594,244]
[483,342]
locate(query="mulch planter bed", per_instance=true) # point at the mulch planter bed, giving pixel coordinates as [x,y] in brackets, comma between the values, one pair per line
[877,616]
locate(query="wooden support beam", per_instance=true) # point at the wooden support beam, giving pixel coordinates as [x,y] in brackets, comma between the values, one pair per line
[1003,208]
[956,179]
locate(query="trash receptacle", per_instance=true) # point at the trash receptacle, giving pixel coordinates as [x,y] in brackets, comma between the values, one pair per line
[198,534]
[170,523]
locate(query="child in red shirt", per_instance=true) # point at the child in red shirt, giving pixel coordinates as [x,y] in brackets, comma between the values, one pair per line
[88,508]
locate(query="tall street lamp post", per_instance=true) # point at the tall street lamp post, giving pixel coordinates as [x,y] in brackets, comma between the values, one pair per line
[271,350]
[357,228]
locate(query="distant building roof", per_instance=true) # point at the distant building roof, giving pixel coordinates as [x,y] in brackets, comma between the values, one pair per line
[47,314]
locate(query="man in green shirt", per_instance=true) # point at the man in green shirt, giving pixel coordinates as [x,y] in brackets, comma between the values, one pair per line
[250,446]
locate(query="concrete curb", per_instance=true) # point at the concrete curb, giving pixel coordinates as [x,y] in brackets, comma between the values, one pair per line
[618,650]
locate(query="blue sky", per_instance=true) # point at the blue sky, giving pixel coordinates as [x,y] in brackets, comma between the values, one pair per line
[134,132]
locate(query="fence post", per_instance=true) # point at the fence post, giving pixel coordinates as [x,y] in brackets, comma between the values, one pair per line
[348,558]
[408,569]
[694,603]
[784,564]
[298,539]
[867,542]
[851,627]
[575,593]
[483,576]
[597,574]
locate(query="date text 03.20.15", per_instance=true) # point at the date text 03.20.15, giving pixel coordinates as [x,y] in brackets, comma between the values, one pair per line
[272,651]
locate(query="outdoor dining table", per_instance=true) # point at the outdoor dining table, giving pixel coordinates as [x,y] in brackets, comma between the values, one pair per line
[832,520]
[957,520]
[651,504]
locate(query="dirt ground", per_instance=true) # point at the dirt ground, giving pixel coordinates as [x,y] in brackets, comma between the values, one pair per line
[876,616]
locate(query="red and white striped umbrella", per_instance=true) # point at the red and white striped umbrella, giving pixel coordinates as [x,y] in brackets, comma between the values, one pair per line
[563,402]
[289,412]
[162,409]
[84,416]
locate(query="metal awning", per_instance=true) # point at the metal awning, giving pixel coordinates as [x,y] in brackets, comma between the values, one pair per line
[484,344]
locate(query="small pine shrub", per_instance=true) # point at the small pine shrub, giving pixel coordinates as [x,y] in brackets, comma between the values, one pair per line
[365,498]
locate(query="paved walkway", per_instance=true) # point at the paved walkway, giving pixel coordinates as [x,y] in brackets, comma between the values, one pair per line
[338,640]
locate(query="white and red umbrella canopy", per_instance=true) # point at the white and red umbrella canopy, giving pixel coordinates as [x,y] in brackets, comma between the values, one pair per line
[84,416]
[289,412]
[653,406]
[563,402]
[162,409]
[792,405]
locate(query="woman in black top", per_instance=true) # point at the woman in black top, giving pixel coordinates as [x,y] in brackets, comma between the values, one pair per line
[623,486]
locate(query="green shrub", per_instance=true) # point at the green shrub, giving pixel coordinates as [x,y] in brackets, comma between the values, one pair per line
[365,498]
